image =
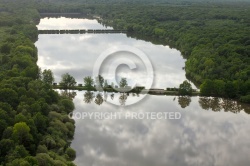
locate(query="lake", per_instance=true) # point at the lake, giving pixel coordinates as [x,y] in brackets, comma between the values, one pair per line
[156,130]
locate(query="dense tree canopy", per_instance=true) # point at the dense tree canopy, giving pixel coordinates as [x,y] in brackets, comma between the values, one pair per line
[26,100]
[185,88]
[34,126]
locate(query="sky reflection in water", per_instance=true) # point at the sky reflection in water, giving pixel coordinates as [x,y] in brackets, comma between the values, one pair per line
[76,54]
[67,23]
[207,134]
[200,137]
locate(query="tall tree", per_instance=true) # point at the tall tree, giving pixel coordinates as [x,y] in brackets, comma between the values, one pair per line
[67,81]
[185,88]
[88,82]
[47,76]
[21,133]
[99,81]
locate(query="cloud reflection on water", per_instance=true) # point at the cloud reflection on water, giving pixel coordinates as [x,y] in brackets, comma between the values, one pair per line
[68,53]
[198,138]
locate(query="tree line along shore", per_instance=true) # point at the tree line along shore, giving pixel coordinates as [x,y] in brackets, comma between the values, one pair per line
[34,124]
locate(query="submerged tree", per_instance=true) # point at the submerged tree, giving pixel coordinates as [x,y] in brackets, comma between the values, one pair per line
[67,81]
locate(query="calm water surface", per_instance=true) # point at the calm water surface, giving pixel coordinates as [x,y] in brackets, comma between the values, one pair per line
[67,23]
[77,54]
[211,131]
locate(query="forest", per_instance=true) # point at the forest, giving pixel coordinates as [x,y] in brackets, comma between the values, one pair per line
[214,37]
[34,125]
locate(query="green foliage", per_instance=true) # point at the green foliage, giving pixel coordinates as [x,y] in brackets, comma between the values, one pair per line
[219,87]
[44,159]
[206,88]
[214,39]
[18,162]
[71,153]
[21,133]
[18,152]
[5,48]
[185,88]
[25,50]
[49,142]
[31,160]
[245,99]
[47,76]
[41,122]
[67,81]
[6,145]
[229,89]
[26,101]
[67,105]
[9,96]
[42,149]
[88,82]
[20,118]
[7,133]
